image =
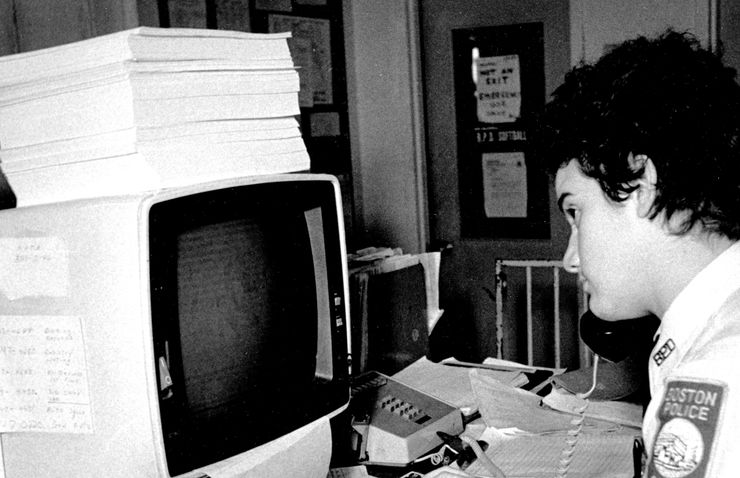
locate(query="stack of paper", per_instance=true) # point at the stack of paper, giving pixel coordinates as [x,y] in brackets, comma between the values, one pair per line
[148,108]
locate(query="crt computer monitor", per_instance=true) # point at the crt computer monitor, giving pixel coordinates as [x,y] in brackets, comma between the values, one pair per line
[213,328]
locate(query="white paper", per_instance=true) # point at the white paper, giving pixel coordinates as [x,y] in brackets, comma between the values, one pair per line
[431,262]
[504,184]
[33,267]
[498,89]
[595,455]
[43,375]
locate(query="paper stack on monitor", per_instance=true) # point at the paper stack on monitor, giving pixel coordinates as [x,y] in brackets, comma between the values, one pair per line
[148,108]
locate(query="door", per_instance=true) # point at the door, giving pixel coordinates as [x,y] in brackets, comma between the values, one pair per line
[467,276]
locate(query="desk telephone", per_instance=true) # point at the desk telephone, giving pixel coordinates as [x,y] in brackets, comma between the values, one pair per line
[395,424]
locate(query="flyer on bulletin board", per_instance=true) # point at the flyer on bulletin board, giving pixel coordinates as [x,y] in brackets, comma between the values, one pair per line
[498,89]
[504,184]
[499,77]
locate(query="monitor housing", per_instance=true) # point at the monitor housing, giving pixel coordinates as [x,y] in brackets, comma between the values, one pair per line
[209,323]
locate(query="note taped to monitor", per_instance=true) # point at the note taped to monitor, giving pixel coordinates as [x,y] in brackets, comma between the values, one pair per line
[43,375]
[33,267]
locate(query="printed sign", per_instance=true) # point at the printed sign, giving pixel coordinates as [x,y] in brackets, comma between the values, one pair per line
[505,184]
[498,89]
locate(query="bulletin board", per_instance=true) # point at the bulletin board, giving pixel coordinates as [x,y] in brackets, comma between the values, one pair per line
[499,89]
[317,47]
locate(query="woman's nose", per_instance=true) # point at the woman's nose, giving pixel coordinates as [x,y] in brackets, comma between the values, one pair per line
[571,261]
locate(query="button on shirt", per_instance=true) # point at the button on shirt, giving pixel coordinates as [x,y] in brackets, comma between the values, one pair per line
[692,424]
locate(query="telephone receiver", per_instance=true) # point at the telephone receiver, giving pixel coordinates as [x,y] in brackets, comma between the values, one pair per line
[619,339]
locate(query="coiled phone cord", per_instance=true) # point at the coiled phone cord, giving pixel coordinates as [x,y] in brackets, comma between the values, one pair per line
[571,439]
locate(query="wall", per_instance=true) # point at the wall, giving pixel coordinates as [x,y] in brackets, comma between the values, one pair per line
[596,24]
[468,273]
[7,28]
[729,32]
[32,24]
[574,29]
[386,123]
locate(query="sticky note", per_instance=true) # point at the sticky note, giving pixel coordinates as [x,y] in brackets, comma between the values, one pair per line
[33,267]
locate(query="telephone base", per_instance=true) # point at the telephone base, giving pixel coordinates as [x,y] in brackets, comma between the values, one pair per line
[395,424]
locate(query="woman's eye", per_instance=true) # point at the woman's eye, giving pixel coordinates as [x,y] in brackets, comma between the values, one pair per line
[572,215]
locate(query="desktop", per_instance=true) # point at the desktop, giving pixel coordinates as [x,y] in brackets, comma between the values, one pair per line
[189,332]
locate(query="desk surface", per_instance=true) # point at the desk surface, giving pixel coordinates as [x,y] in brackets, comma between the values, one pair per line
[526,440]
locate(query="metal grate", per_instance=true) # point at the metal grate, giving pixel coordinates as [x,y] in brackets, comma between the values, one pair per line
[529,265]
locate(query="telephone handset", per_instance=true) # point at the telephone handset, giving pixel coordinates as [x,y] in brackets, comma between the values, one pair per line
[619,339]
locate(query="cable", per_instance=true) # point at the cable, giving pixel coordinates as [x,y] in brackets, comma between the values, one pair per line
[490,466]
[571,439]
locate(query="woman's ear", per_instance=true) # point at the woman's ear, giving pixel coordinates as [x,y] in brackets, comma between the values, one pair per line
[645,193]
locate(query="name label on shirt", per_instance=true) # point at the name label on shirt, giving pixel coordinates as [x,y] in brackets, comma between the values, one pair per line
[664,352]
[688,418]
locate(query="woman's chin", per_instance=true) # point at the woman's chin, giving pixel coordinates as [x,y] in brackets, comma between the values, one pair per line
[606,312]
[612,312]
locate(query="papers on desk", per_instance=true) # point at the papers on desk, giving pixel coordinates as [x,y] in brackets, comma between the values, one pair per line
[596,455]
[525,438]
[379,260]
[452,384]
[623,413]
[503,406]
[359,471]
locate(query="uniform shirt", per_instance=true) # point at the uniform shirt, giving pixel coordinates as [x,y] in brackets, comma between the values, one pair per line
[692,424]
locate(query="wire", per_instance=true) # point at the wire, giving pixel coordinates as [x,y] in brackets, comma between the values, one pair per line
[571,439]
[490,466]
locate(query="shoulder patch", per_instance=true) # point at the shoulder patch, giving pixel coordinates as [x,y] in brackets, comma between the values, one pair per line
[688,418]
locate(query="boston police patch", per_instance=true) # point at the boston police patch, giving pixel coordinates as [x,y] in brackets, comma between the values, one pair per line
[688,419]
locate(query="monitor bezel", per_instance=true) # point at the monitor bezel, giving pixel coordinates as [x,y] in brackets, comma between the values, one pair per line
[335,395]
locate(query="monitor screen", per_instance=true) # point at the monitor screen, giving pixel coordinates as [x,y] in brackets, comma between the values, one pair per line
[243,284]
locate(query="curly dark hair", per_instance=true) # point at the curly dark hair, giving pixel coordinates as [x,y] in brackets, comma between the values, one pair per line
[664,97]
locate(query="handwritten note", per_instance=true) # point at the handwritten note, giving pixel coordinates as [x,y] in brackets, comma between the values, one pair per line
[43,375]
[33,267]
[498,89]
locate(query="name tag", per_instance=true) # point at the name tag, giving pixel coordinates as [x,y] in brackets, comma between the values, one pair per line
[664,352]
